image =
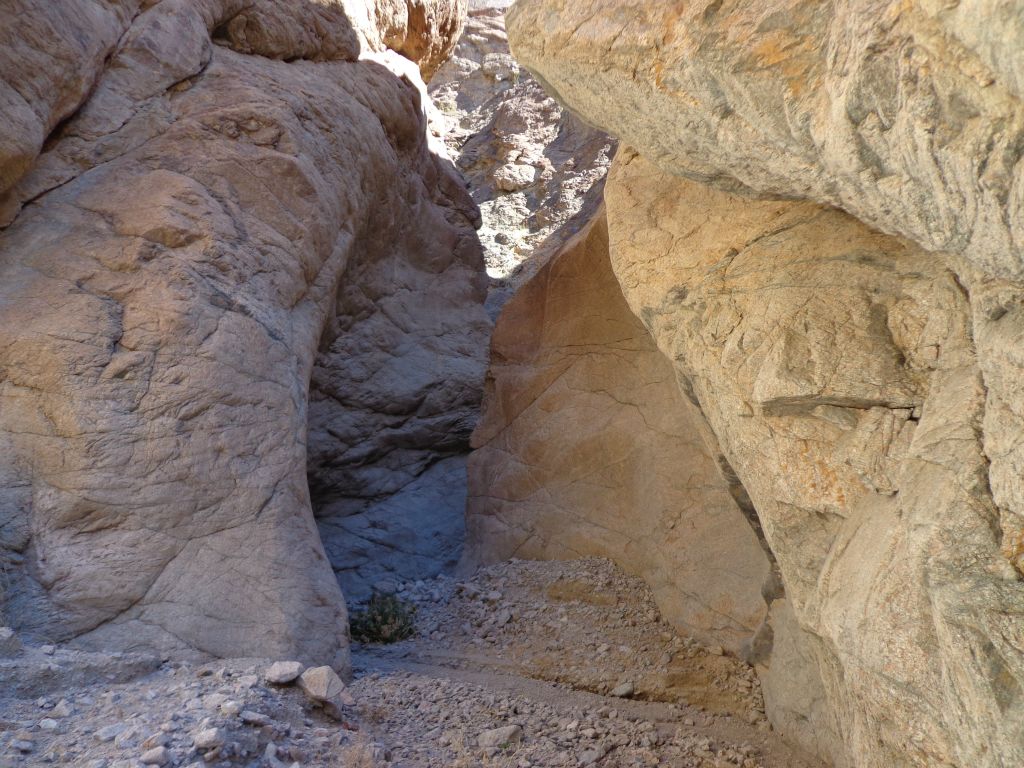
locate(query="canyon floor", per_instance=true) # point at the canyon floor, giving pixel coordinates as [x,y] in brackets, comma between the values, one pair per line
[525,664]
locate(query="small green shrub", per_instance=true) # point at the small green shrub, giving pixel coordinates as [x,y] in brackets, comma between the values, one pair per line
[386,619]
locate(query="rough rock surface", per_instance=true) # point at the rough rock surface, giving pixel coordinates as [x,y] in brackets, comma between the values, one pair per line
[193,237]
[424,703]
[533,167]
[837,367]
[866,391]
[416,533]
[587,446]
[907,114]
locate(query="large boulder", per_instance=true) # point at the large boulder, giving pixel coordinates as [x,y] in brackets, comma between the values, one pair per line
[587,447]
[906,113]
[838,368]
[866,389]
[208,229]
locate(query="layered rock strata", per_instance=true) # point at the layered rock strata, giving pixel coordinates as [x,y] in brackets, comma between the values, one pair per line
[246,194]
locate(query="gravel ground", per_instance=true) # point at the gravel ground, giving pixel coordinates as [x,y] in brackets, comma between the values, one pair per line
[525,664]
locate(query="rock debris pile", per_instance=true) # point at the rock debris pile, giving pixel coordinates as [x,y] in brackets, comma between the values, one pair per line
[524,665]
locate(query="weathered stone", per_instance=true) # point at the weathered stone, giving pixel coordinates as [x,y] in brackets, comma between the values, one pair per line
[838,368]
[322,685]
[906,114]
[623,690]
[209,738]
[506,133]
[156,756]
[197,243]
[10,645]
[587,446]
[283,672]
[499,737]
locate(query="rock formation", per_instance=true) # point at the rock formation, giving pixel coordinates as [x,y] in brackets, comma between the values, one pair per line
[864,387]
[231,198]
[534,168]
[588,447]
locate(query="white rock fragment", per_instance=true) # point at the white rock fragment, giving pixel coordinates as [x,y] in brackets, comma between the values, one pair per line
[209,738]
[322,684]
[156,756]
[499,737]
[623,690]
[283,672]
[10,645]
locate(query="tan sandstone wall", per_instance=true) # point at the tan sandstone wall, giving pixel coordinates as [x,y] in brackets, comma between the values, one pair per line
[587,446]
[239,193]
[865,388]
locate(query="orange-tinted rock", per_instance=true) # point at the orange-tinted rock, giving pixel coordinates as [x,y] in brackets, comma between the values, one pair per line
[587,446]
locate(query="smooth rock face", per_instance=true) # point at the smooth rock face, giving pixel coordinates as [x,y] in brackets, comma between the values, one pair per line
[905,113]
[203,229]
[839,369]
[587,446]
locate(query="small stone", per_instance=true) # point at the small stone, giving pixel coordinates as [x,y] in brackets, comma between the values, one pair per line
[230,708]
[283,672]
[48,724]
[156,756]
[716,650]
[155,740]
[23,745]
[592,755]
[322,684]
[514,177]
[499,737]
[63,709]
[623,691]
[49,650]
[503,617]
[110,732]
[210,738]
[126,739]
[254,718]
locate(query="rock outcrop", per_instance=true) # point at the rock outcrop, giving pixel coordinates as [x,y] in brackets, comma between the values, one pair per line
[534,168]
[587,446]
[865,387]
[240,197]
[905,114]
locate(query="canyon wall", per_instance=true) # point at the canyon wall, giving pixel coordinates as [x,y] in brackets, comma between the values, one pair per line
[587,447]
[207,204]
[858,365]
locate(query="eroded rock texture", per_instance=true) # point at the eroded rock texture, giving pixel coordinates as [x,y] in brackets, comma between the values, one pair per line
[533,167]
[837,368]
[865,388]
[587,446]
[207,229]
[906,114]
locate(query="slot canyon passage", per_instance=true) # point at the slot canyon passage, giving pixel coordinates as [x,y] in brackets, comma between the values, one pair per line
[467,383]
